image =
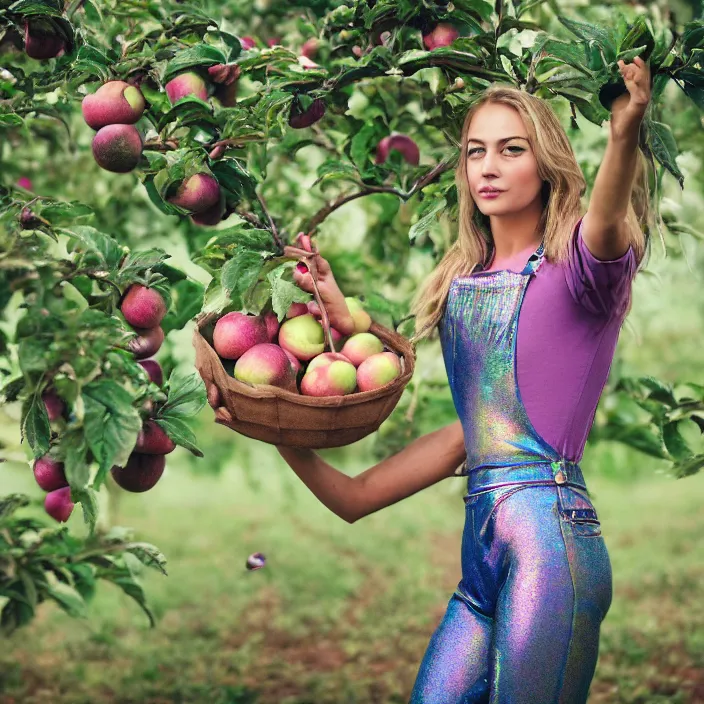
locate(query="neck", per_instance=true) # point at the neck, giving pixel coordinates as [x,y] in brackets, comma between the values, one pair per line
[514,233]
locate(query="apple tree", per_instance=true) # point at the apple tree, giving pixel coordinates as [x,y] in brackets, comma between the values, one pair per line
[229,129]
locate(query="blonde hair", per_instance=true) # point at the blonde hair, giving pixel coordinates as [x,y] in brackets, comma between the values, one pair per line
[563,187]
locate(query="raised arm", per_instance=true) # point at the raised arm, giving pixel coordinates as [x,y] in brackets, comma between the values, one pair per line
[424,462]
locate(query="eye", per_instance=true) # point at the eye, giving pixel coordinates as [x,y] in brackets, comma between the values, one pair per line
[478,149]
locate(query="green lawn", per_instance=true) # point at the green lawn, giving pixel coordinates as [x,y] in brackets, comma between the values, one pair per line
[342,613]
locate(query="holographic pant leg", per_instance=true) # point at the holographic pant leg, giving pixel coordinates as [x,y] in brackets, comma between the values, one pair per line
[523,625]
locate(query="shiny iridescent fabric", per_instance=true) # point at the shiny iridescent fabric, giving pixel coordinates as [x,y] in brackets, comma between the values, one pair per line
[522,626]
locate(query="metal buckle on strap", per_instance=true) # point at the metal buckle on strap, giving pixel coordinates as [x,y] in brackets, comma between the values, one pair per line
[559,475]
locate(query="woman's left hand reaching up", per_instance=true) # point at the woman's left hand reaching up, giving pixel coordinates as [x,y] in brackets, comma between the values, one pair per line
[629,108]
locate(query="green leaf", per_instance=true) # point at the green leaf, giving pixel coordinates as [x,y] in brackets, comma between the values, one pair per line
[240,272]
[154,195]
[92,240]
[189,110]
[425,222]
[662,143]
[335,170]
[14,615]
[10,503]
[55,212]
[186,303]
[76,463]
[688,467]
[194,57]
[177,429]
[89,503]
[148,555]
[124,580]
[659,391]
[235,179]
[137,263]
[30,588]
[642,438]
[36,7]
[35,425]
[186,396]
[674,442]
[592,33]
[111,424]
[283,292]
[65,596]
[363,145]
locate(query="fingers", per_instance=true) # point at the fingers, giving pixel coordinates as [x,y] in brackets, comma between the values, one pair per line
[214,396]
[222,416]
[304,242]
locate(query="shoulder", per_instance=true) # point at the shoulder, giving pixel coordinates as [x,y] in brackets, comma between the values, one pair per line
[601,286]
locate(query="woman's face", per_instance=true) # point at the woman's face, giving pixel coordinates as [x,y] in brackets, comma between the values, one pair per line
[509,166]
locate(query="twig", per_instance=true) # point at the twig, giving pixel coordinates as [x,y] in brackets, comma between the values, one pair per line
[159,146]
[251,218]
[323,213]
[272,224]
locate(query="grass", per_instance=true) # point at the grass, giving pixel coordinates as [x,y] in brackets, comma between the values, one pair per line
[342,613]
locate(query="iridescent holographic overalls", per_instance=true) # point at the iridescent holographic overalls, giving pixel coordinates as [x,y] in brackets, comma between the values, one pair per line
[522,627]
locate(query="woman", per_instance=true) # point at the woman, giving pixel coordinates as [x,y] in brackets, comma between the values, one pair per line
[528,341]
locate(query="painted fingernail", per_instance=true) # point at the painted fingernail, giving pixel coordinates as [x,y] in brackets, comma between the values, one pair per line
[301,267]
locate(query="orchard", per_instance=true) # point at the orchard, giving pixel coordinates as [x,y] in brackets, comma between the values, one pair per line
[167,168]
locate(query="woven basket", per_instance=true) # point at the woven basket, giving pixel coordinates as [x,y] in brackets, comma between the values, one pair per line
[280,417]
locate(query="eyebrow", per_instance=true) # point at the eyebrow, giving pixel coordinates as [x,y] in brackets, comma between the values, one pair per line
[500,141]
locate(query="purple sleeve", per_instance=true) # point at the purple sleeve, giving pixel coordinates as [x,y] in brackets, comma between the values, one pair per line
[601,287]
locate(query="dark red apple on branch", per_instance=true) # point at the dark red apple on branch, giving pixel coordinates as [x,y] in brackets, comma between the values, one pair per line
[49,473]
[54,405]
[153,369]
[153,440]
[197,194]
[58,504]
[147,342]
[117,148]
[40,42]
[299,118]
[401,143]
[140,473]
[143,307]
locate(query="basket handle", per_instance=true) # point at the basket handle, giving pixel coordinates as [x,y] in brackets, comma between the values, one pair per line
[308,258]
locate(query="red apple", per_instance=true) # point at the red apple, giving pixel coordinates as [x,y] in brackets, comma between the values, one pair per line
[143,307]
[49,473]
[58,504]
[152,440]
[235,333]
[140,473]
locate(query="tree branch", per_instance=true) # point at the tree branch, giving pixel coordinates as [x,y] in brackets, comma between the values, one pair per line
[421,183]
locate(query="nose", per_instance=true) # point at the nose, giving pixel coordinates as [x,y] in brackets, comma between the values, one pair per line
[489,164]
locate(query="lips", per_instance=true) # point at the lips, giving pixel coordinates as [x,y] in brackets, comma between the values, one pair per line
[490,190]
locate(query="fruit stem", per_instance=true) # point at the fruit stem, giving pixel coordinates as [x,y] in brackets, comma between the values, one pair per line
[308,258]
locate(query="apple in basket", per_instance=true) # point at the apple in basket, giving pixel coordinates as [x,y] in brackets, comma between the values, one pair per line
[302,336]
[235,333]
[360,346]
[378,370]
[266,363]
[331,377]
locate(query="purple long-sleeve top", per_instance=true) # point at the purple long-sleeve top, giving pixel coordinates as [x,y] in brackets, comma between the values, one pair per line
[568,328]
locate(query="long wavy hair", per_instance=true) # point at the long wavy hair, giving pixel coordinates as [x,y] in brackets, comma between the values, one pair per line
[563,187]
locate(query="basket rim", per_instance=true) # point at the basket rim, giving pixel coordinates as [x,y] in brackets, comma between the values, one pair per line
[269,391]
